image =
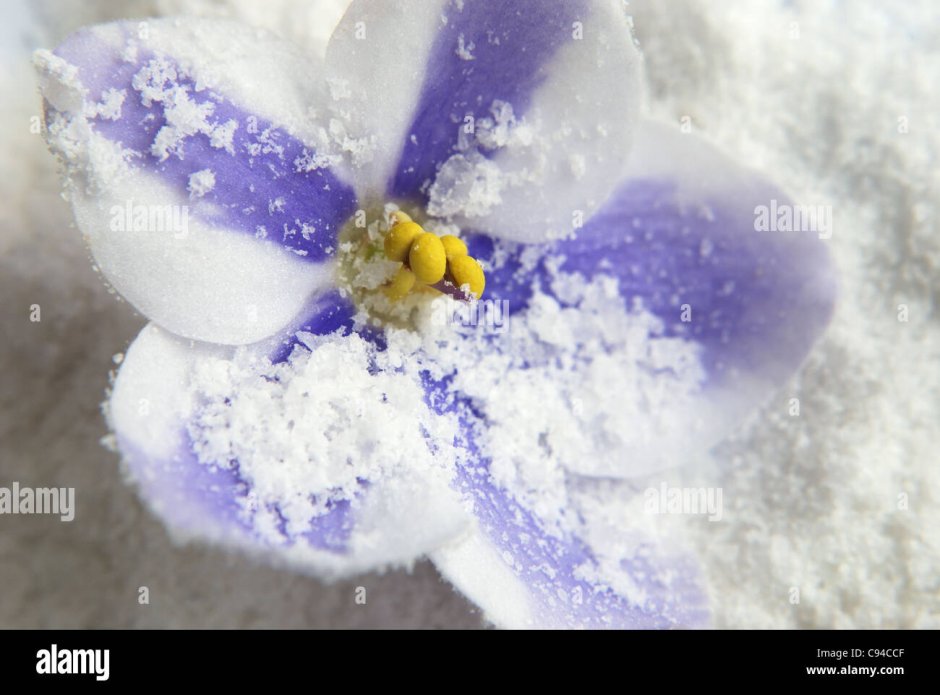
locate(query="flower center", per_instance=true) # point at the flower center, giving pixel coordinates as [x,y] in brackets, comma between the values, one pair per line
[395,264]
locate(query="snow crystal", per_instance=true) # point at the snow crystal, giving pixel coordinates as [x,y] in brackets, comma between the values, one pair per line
[464,49]
[467,185]
[222,136]
[470,184]
[158,82]
[360,150]
[201,182]
[311,161]
[276,205]
[110,106]
[501,129]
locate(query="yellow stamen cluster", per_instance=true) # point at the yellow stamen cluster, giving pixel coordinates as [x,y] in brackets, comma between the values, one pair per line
[427,259]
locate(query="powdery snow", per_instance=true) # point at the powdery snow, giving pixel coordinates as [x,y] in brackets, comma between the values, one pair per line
[307,432]
[201,182]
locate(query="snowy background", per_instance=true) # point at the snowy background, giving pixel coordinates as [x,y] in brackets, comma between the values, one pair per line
[835,100]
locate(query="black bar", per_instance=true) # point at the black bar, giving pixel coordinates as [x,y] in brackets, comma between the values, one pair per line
[221,658]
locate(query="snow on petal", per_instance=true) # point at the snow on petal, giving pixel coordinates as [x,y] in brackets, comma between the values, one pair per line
[551,392]
[376,59]
[729,311]
[192,163]
[693,249]
[534,569]
[525,112]
[315,460]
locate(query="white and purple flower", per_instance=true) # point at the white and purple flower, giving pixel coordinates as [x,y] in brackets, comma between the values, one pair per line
[266,407]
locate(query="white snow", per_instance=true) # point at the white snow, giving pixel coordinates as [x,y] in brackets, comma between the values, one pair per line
[467,185]
[305,432]
[464,48]
[201,182]
[158,81]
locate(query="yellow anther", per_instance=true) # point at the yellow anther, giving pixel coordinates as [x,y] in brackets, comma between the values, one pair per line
[399,238]
[453,246]
[427,258]
[401,284]
[467,271]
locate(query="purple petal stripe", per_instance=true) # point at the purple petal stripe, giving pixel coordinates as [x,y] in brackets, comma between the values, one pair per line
[512,43]
[194,495]
[266,188]
[329,312]
[551,566]
[750,293]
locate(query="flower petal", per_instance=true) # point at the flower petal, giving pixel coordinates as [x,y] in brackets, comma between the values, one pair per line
[679,238]
[192,171]
[376,56]
[524,114]
[525,574]
[327,313]
[171,405]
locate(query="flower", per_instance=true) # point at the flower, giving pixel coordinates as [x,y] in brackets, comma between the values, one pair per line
[239,194]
